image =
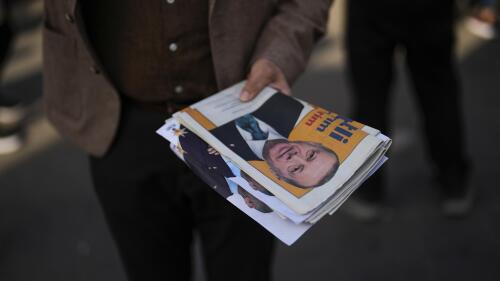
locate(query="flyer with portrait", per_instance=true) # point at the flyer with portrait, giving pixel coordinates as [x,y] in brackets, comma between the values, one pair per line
[283,162]
[301,153]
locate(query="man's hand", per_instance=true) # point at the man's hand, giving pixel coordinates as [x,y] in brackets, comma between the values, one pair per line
[262,74]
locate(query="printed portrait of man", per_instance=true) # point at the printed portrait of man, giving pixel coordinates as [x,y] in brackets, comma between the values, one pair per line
[209,165]
[303,164]
[252,202]
[255,185]
[263,135]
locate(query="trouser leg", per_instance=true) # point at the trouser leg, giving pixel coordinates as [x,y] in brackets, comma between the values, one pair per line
[234,246]
[137,186]
[152,203]
[370,53]
[431,62]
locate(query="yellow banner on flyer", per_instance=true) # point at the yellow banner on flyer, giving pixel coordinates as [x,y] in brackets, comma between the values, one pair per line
[339,134]
[200,118]
[333,131]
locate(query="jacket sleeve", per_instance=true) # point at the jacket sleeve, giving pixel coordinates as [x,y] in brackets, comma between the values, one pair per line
[290,34]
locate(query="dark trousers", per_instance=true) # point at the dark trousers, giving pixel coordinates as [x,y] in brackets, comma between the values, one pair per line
[425,30]
[153,203]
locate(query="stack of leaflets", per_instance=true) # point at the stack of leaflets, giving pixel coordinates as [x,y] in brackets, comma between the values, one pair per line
[283,162]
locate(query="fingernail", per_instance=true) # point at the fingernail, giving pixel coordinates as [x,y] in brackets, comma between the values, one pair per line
[244,96]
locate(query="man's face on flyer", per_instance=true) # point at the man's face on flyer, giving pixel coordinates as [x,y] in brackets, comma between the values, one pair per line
[304,163]
[252,202]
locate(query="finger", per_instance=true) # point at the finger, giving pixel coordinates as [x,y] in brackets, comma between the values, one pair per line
[258,79]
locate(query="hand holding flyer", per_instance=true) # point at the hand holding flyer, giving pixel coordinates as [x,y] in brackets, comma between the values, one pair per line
[276,153]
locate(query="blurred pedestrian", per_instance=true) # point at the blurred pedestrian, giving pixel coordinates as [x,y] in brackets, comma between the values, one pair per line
[425,29]
[12,112]
[113,72]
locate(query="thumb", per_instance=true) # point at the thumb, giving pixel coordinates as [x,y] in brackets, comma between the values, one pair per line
[256,82]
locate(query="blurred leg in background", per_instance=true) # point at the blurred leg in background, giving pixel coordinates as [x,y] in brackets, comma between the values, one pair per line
[370,60]
[432,65]
[12,112]
[425,30]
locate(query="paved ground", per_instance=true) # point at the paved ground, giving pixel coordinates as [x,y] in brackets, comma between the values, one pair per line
[51,227]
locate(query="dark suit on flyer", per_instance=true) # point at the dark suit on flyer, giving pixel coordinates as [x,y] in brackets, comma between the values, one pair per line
[211,168]
[280,112]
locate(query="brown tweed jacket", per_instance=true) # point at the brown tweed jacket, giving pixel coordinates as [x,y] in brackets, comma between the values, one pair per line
[85,107]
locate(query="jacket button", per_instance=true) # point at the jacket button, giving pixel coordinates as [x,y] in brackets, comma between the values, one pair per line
[178,89]
[173,47]
[94,70]
[69,18]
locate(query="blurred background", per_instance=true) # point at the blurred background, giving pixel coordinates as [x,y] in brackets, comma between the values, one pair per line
[51,227]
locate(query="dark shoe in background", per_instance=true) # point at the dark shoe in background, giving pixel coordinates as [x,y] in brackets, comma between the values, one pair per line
[363,210]
[12,117]
[458,198]
[366,206]
[367,203]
